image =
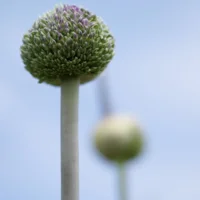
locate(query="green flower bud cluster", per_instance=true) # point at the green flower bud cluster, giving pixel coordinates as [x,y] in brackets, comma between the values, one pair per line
[119,138]
[67,42]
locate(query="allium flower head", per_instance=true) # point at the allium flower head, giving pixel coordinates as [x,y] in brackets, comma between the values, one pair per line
[67,42]
[119,138]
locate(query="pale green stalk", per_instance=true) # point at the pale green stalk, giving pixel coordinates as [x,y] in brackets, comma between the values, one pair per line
[69,140]
[122,181]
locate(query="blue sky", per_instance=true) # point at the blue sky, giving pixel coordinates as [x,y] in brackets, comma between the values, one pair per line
[154,76]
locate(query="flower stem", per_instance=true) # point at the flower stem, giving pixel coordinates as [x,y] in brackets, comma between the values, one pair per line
[122,181]
[69,140]
[104,96]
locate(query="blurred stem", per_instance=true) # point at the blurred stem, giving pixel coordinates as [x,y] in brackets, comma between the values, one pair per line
[122,181]
[69,140]
[104,96]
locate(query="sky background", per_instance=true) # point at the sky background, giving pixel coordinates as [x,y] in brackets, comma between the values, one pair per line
[154,76]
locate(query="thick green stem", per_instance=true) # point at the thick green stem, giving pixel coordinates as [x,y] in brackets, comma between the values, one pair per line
[122,181]
[69,140]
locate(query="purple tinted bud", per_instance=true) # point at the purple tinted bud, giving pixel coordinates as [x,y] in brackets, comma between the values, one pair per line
[58,10]
[61,20]
[76,15]
[58,34]
[70,8]
[85,22]
[75,35]
[77,9]
[65,8]
[56,17]
[74,8]
[64,13]
[50,24]
[59,27]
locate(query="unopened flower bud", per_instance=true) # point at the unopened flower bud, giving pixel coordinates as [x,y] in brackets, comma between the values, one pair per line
[119,138]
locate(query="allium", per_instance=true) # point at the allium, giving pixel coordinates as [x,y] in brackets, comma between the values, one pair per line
[67,42]
[119,138]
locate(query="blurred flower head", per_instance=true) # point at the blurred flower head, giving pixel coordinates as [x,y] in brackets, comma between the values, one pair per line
[119,138]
